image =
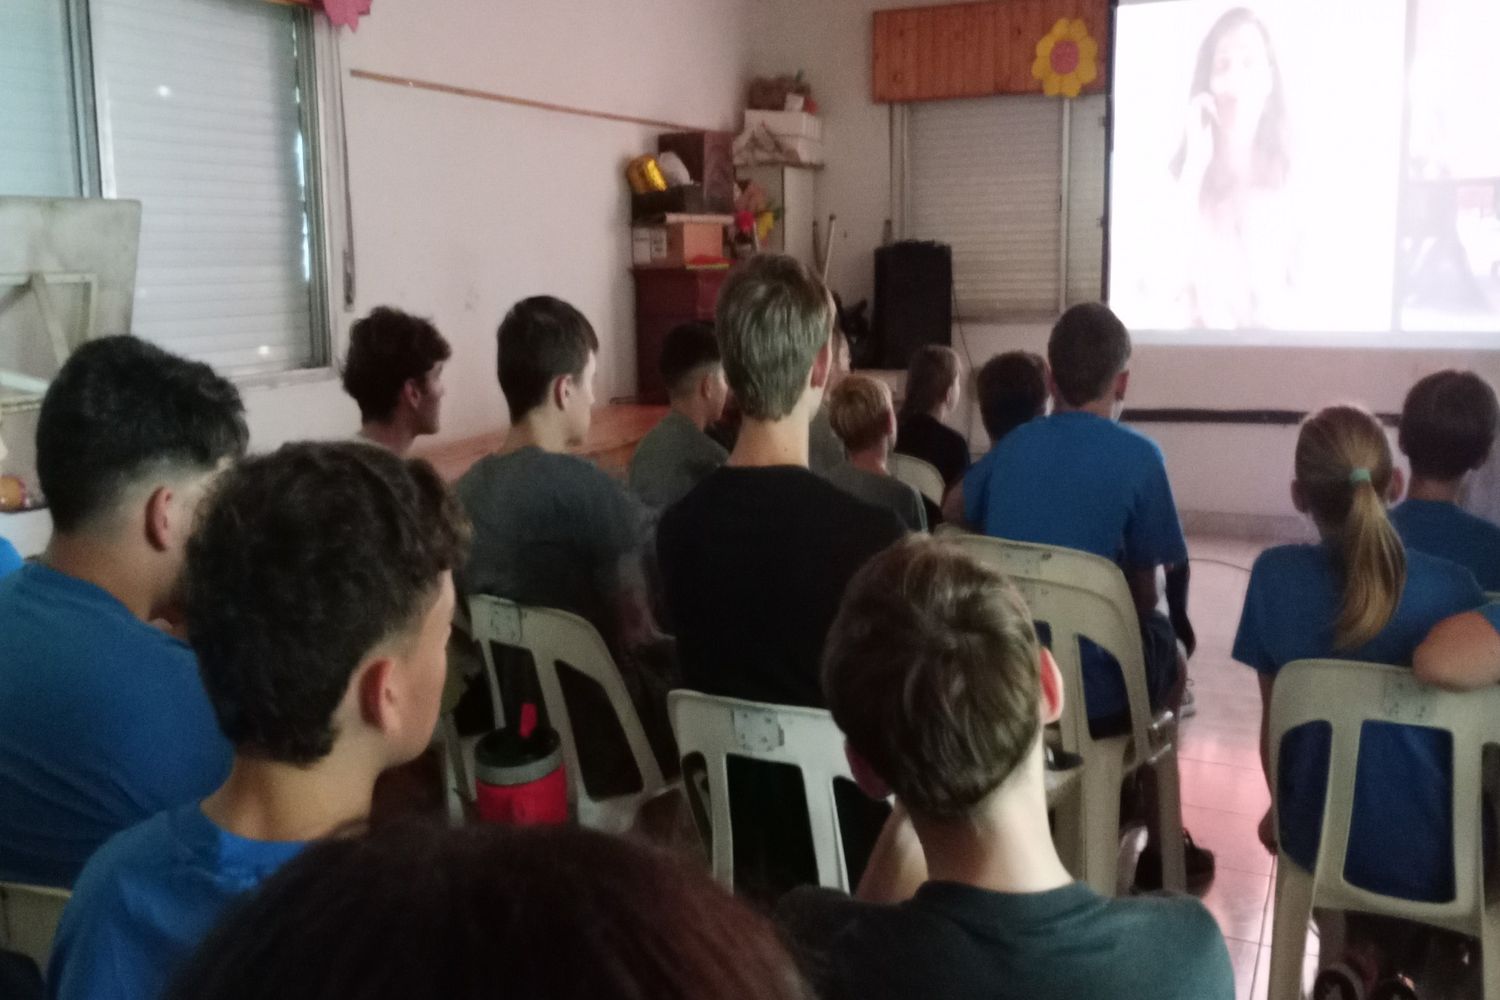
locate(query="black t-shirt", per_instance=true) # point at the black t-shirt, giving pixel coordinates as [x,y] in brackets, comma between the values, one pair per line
[928,438]
[754,563]
[957,941]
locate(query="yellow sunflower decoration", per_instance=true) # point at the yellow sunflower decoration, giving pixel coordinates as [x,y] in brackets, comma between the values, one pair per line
[1067,60]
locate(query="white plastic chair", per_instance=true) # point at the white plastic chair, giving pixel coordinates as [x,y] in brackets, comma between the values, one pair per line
[556,637]
[919,475]
[806,738]
[1346,695]
[29,915]
[1079,594]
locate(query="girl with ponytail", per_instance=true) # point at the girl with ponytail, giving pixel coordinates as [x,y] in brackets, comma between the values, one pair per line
[1358,594]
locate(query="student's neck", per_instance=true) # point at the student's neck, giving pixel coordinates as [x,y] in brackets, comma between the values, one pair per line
[394,436]
[1441,490]
[115,567]
[687,408]
[872,459]
[268,800]
[536,429]
[1006,848]
[1104,407]
[763,443]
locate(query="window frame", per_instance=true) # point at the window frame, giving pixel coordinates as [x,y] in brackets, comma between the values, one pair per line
[902,181]
[325,161]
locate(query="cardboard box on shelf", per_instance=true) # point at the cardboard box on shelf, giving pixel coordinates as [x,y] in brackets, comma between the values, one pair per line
[790,124]
[677,240]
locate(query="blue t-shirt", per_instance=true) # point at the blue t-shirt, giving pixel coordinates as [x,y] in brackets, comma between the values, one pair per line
[1401,836]
[1449,532]
[10,559]
[1082,482]
[103,722]
[147,899]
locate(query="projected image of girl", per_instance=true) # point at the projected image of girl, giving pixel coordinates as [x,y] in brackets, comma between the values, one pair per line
[1231,172]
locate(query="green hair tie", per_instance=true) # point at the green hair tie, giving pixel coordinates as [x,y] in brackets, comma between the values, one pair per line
[1357,476]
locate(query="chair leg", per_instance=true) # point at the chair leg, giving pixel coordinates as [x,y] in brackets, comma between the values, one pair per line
[1169,822]
[1293,906]
[1101,821]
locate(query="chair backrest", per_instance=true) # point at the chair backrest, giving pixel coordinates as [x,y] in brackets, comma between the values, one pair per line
[555,638]
[29,915]
[919,475]
[1346,695]
[1078,595]
[806,738]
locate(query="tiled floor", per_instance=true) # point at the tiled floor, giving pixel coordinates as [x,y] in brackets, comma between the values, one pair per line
[1223,790]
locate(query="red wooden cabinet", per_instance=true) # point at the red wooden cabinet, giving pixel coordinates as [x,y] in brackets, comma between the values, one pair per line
[665,297]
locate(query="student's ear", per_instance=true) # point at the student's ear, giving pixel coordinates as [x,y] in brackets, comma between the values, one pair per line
[161,518]
[1122,383]
[376,693]
[1051,703]
[822,365]
[890,423]
[706,386]
[411,393]
[562,391]
[1052,389]
[865,777]
[1397,488]
[1299,498]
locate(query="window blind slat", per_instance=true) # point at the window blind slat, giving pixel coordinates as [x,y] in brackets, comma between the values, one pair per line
[984,179]
[38,133]
[199,119]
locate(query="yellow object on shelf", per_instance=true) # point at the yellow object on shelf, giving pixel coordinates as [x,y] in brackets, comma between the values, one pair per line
[644,175]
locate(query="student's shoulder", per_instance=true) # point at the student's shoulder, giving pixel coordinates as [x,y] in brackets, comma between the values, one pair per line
[135,852]
[1285,560]
[1437,576]
[1179,943]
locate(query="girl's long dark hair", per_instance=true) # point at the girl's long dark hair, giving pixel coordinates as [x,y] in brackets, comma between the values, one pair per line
[1272,137]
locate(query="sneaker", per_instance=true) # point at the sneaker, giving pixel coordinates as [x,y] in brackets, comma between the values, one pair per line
[1199,863]
[1189,706]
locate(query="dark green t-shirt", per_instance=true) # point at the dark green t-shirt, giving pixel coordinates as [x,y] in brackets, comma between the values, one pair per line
[955,941]
[549,531]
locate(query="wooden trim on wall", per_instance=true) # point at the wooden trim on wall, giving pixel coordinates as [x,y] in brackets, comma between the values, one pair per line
[974,49]
[523,102]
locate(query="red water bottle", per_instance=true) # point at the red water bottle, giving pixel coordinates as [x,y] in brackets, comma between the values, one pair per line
[519,775]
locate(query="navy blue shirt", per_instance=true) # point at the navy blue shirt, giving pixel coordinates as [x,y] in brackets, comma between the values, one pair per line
[103,722]
[145,901]
[1401,836]
[1080,481]
[1449,532]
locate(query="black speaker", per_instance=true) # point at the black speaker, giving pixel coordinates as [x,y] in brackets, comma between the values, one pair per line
[913,299]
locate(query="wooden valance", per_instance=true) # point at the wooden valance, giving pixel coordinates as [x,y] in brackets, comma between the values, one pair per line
[975,49]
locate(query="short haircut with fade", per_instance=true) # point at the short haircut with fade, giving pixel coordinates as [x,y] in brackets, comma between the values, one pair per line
[387,349]
[932,672]
[541,339]
[774,315]
[688,351]
[1448,424]
[1012,389]
[859,410]
[122,409]
[305,561]
[1089,346]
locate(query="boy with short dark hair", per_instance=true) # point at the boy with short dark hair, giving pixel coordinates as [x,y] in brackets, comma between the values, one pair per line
[935,675]
[864,417]
[103,720]
[1447,431]
[1080,480]
[552,530]
[394,371]
[319,598]
[677,453]
[1012,390]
